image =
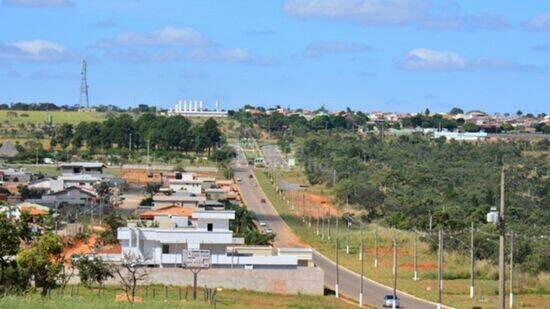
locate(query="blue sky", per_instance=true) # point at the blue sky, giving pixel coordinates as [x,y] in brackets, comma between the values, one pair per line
[391,55]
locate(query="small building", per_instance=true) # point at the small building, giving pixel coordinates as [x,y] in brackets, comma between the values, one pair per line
[71,196]
[215,194]
[78,168]
[15,175]
[186,185]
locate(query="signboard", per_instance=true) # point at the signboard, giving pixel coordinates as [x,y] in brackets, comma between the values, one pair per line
[195,258]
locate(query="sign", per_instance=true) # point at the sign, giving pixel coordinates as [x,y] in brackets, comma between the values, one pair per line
[195,258]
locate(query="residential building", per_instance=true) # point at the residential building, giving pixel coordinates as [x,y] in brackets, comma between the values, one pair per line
[78,168]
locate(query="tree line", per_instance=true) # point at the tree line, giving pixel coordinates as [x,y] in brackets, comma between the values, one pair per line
[125,131]
[404,181]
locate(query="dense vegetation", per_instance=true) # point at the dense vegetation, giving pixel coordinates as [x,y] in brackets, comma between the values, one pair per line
[404,180]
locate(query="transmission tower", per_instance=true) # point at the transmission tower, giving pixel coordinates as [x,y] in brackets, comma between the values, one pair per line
[84,87]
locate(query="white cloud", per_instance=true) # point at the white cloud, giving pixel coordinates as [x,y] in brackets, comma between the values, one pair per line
[34,50]
[423,59]
[443,16]
[39,3]
[187,37]
[314,50]
[540,23]
[427,59]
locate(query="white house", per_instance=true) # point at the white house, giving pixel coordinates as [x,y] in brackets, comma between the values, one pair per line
[76,168]
[186,185]
[161,241]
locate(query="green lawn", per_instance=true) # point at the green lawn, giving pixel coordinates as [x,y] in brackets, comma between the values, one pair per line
[456,291]
[39,117]
[171,297]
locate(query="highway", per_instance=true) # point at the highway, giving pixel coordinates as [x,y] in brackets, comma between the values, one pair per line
[349,284]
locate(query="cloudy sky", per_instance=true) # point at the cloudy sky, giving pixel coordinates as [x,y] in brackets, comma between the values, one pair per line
[392,55]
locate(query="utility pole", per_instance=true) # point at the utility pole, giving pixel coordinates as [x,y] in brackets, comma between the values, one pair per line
[376,248]
[328,226]
[415,256]
[394,241]
[337,269]
[511,269]
[318,215]
[347,235]
[430,222]
[472,261]
[501,266]
[440,269]
[130,147]
[362,274]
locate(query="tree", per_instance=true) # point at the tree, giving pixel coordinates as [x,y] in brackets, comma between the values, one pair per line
[42,262]
[112,221]
[506,127]
[470,127]
[456,111]
[64,135]
[93,270]
[519,113]
[427,112]
[9,245]
[130,274]
[211,133]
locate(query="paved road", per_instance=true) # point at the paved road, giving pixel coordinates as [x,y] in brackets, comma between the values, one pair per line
[349,284]
[273,157]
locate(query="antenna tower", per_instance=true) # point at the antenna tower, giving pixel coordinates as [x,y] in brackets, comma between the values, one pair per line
[84,87]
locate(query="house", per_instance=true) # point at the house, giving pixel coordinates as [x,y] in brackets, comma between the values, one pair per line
[78,168]
[461,136]
[71,195]
[178,199]
[185,185]
[33,209]
[86,181]
[15,175]
[161,242]
[215,194]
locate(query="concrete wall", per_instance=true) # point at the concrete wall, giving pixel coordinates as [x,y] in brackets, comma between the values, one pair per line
[303,280]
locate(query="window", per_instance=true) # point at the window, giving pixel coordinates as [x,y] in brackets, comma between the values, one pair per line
[210,227]
[165,249]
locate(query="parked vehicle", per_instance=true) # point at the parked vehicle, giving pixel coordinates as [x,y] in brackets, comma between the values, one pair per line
[262,224]
[250,176]
[263,200]
[390,300]
[239,179]
[269,231]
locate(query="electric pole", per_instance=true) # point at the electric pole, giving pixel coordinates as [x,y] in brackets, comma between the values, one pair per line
[362,274]
[337,269]
[347,235]
[376,248]
[394,241]
[501,266]
[328,226]
[318,216]
[440,268]
[511,269]
[472,261]
[415,256]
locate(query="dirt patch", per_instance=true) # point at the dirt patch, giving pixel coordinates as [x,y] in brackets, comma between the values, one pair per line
[123,298]
[420,266]
[140,176]
[313,205]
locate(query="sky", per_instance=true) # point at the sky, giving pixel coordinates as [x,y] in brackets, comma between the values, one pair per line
[383,55]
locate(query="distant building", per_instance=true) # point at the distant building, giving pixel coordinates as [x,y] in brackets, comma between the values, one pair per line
[196,109]
[461,136]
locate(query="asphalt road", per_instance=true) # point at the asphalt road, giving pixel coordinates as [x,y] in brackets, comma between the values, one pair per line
[349,282]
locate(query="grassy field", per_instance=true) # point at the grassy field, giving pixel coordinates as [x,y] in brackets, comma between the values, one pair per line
[39,117]
[172,297]
[530,291]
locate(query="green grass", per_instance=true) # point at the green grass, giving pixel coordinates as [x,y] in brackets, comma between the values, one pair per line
[39,117]
[534,291]
[155,297]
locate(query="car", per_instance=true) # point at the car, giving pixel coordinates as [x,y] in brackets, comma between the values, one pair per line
[250,176]
[262,224]
[269,231]
[263,200]
[239,179]
[390,300]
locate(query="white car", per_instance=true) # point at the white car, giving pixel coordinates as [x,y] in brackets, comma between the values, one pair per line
[262,224]
[269,231]
[391,301]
